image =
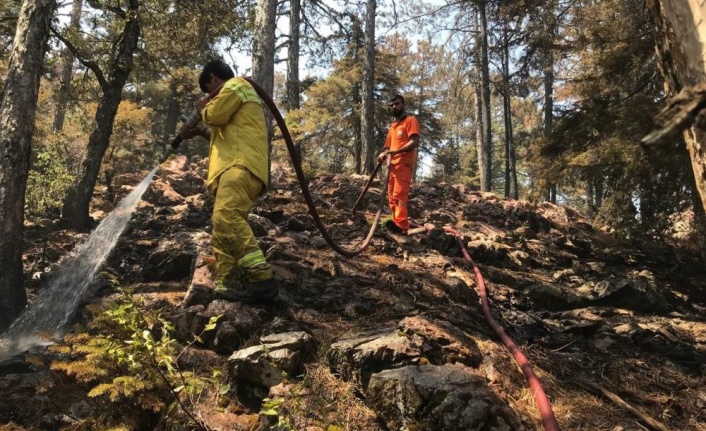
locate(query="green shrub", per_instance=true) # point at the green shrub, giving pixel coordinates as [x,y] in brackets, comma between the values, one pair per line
[47,184]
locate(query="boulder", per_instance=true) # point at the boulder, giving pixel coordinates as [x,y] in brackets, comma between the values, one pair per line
[202,280]
[187,183]
[172,260]
[359,356]
[269,363]
[443,343]
[236,323]
[445,398]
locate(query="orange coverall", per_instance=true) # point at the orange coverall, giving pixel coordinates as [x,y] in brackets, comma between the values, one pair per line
[401,167]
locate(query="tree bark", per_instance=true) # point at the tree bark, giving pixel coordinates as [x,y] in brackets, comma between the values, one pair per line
[548,59]
[293,99]
[357,100]
[76,205]
[67,68]
[173,111]
[368,106]
[682,28]
[510,174]
[17,111]
[263,57]
[486,172]
[479,128]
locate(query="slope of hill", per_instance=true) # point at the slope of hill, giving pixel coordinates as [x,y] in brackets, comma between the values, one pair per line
[391,340]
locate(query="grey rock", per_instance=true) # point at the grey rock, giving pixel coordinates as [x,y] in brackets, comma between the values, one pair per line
[449,397]
[358,357]
[268,364]
[187,183]
[202,281]
[81,409]
[318,242]
[172,260]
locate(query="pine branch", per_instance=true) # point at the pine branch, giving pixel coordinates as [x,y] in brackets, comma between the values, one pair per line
[90,64]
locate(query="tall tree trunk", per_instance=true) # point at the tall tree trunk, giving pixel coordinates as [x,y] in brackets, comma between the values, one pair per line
[357,129]
[293,99]
[589,198]
[548,59]
[510,174]
[173,112]
[368,106]
[514,191]
[358,38]
[420,106]
[67,68]
[263,57]
[17,108]
[487,155]
[549,110]
[598,185]
[682,51]
[479,128]
[76,205]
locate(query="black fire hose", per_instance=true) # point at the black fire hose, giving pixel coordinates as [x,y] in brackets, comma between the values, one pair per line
[367,186]
[296,162]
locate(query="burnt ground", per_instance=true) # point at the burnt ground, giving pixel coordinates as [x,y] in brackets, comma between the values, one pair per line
[597,318]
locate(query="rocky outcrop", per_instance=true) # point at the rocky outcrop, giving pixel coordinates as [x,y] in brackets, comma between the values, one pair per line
[448,397]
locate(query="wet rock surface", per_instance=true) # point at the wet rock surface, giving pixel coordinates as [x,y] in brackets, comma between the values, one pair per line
[397,332]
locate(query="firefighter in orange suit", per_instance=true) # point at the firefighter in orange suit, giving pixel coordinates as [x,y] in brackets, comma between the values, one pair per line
[401,144]
[237,176]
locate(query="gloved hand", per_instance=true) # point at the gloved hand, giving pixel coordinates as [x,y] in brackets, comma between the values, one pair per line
[189,132]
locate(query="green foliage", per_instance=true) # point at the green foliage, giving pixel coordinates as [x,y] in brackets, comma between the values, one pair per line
[129,360]
[48,181]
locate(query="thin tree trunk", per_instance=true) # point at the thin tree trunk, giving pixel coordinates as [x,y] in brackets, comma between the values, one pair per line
[358,38]
[514,191]
[487,155]
[420,106]
[479,129]
[549,85]
[77,203]
[590,197]
[598,185]
[67,68]
[17,111]
[357,129]
[263,58]
[368,107]
[507,110]
[293,99]
[173,111]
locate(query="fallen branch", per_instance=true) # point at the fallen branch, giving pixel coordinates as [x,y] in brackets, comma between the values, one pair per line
[644,417]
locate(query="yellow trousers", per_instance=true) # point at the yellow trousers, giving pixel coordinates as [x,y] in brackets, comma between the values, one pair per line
[238,255]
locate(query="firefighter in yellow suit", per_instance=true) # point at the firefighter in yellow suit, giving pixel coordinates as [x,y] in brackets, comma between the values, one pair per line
[237,176]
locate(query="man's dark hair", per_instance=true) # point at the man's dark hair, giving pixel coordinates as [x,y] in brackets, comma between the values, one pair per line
[216,67]
[397,98]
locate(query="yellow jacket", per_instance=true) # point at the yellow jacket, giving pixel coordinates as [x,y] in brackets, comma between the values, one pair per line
[239,136]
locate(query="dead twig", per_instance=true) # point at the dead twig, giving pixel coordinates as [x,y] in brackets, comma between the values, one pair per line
[644,417]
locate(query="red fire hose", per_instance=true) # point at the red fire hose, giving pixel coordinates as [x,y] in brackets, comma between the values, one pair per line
[540,397]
